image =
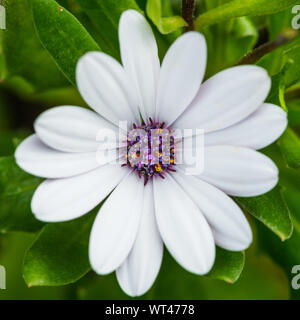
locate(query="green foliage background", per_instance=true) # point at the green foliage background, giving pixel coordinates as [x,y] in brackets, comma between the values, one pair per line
[39,51]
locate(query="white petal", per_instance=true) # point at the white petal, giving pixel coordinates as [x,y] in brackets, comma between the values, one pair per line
[104,86]
[259,130]
[180,77]
[183,228]
[139,271]
[40,160]
[226,98]
[116,225]
[69,198]
[75,129]
[140,59]
[239,171]
[230,228]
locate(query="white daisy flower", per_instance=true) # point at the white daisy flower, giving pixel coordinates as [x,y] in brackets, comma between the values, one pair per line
[189,214]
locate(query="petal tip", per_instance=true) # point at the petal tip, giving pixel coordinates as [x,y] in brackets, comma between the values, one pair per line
[129,16]
[83,63]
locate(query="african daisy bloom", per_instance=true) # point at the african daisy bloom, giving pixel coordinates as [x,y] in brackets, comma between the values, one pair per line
[190,214]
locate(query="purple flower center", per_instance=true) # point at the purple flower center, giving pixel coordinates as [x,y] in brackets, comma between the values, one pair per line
[150,150]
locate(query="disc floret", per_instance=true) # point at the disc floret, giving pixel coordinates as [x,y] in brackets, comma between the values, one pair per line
[151,152]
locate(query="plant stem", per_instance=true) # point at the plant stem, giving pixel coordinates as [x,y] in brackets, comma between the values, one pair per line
[188,11]
[253,56]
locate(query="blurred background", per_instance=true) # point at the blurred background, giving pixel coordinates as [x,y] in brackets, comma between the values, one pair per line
[31,82]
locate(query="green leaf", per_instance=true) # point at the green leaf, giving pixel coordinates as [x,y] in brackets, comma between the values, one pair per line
[275,61]
[23,53]
[16,190]
[287,77]
[62,35]
[105,16]
[228,265]
[164,24]
[277,92]
[228,42]
[286,254]
[240,8]
[289,144]
[228,268]
[292,55]
[271,210]
[59,255]
[279,22]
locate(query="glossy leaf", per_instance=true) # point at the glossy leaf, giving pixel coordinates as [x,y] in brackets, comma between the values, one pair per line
[279,24]
[240,8]
[228,41]
[287,77]
[59,255]
[105,16]
[23,53]
[289,144]
[62,35]
[164,24]
[16,190]
[271,210]
[286,254]
[277,92]
[173,281]
[228,265]
[292,55]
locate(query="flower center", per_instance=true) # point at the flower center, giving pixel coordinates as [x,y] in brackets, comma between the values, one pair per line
[150,150]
